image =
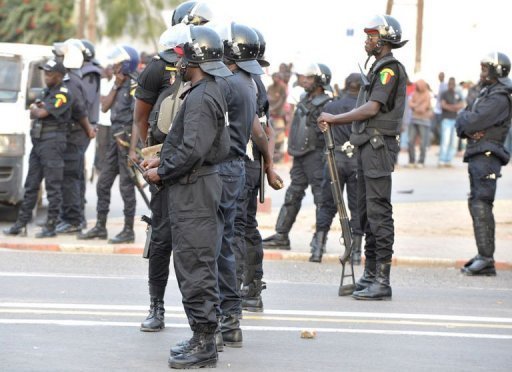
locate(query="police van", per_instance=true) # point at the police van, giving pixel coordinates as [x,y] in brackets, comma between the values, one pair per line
[21,82]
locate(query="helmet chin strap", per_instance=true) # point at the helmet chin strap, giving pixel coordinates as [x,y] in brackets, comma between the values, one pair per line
[374,52]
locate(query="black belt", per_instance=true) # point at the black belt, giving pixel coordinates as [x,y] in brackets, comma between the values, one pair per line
[192,177]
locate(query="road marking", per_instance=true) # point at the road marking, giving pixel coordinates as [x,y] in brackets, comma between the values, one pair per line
[90,323]
[67,276]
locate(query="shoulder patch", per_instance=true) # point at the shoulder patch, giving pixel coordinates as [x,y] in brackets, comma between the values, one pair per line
[386,74]
[60,99]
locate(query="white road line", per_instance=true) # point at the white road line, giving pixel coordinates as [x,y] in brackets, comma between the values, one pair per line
[68,276]
[341,314]
[89,323]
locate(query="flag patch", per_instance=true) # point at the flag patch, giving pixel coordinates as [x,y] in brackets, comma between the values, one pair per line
[386,75]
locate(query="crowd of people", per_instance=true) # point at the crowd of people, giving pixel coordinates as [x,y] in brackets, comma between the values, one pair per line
[197,121]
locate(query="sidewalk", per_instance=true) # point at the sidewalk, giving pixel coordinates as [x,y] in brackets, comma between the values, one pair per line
[432,223]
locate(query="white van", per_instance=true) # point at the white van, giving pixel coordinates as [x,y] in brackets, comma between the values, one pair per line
[21,83]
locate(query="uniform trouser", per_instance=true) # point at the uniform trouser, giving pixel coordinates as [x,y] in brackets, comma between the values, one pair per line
[347,174]
[46,161]
[306,170]
[73,186]
[232,173]
[376,215]
[160,248]
[116,163]
[102,140]
[196,222]
[247,241]
[484,172]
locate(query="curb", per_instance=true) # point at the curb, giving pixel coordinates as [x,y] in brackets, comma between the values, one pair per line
[269,255]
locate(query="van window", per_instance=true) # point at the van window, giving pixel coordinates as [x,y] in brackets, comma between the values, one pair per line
[35,83]
[10,77]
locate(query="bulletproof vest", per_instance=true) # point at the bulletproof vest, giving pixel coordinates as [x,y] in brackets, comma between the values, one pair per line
[498,133]
[165,109]
[91,77]
[388,120]
[304,135]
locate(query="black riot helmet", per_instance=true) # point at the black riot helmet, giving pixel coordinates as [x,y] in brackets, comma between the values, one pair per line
[499,66]
[89,51]
[388,29]
[324,79]
[321,72]
[204,47]
[241,46]
[261,54]
[192,13]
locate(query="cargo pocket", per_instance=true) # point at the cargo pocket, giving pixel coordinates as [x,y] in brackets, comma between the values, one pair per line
[195,229]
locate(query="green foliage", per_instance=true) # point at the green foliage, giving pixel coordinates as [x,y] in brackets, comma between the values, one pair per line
[36,22]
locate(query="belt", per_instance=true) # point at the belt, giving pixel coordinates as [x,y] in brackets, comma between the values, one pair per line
[192,177]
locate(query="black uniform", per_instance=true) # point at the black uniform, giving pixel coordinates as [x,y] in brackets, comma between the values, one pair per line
[153,80]
[197,142]
[121,115]
[47,154]
[491,113]
[347,170]
[73,186]
[306,144]
[377,149]
[240,93]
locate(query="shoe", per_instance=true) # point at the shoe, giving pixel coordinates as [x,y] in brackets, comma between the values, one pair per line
[479,266]
[18,229]
[201,353]
[155,320]
[277,241]
[420,166]
[48,230]
[125,236]
[67,228]
[182,346]
[231,331]
[380,289]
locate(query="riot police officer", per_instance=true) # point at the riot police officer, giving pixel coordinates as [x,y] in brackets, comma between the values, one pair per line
[91,75]
[159,81]
[485,124]
[188,165]
[377,119]
[306,144]
[120,103]
[346,164]
[51,118]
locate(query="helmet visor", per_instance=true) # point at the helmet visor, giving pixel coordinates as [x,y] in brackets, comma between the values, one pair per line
[308,69]
[376,24]
[174,36]
[198,15]
[118,55]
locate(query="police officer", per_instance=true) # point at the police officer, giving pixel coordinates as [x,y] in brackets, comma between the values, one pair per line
[241,48]
[375,131]
[120,103]
[78,138]
[91,76]
[159,81]
[306,144]
[249,255]
[51,118]
[197,142]
[485,124]
[346,164]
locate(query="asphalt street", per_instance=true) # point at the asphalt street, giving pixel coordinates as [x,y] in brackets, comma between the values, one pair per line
[69,312]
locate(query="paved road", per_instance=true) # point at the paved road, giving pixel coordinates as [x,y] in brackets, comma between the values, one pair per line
[65,312]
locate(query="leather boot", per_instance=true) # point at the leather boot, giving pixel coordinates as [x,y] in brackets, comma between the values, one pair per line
[155,320]
[277,241]
[19,229]
[182,346]
[318,246]
[98,231]
[127,235]
[251,296]
[201,353]
[67,228]
[231,332]
[48,230]
[368,275]
[356,249]
[380,289]
[484,228]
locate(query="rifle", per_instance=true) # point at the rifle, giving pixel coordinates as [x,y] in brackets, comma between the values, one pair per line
[137,167]
[347,289]
[133,176]
[149,230]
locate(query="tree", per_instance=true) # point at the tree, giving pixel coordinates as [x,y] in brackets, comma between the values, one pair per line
[137,18]
[36,22]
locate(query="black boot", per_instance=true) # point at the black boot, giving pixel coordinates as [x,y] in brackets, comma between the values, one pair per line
[67,228]
[231,332]
[182,346]
[318,246]
[125,236]
[201,353]
[380,289]
[483,227]
[368,275]
[251,296]
[155,320]
[19,229]
[98,231]
[277,241]
[48,230]
[356,249]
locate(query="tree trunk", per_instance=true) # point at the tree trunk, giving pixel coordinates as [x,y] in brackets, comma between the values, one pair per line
[389,7]
[81,20]
[91,21]
[419,36]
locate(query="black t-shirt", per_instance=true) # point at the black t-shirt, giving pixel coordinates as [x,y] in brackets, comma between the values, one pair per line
[450,97]
[153,80]
[341,133]
[384,84]
[58,101]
